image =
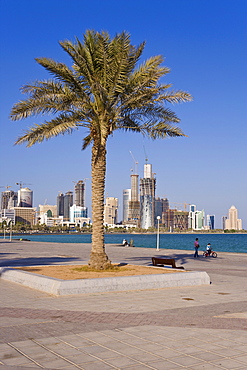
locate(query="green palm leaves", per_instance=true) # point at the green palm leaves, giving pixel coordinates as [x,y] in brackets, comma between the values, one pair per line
[104,90]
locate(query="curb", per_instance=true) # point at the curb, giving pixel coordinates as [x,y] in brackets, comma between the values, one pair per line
[59,287]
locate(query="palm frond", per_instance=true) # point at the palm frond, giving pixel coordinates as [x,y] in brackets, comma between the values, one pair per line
[87,141]
[60,125]
[174,97]
[160,130]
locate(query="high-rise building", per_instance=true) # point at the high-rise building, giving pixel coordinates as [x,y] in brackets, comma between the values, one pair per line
[161,206]
[80,194]
[8,199]
[60,204]
[111,211]
[224,218]
[126,200]
[134,203]
[233,222]
[196,218]
[68,202]
[25,197]
[147,198]
[210,222]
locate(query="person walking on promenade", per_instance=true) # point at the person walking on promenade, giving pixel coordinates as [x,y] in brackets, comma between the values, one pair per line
[196,246]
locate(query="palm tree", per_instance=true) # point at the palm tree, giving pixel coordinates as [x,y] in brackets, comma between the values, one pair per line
[103,91]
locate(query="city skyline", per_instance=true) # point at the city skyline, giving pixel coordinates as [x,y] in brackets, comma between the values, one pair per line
[73,203]
[202,43]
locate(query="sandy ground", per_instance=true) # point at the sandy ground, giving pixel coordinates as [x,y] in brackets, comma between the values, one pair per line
[71,272]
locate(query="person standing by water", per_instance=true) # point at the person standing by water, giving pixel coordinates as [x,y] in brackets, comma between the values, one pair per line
[196,246]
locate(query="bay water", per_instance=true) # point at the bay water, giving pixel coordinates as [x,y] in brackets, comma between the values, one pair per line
[236,243]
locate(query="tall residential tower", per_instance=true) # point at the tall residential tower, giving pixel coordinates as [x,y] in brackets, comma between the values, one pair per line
[233,222]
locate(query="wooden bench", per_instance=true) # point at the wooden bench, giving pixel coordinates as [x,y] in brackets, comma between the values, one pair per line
[165,261]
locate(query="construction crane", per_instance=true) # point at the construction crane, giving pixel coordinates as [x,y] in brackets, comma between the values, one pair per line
[184,204]
[135,164]
[21,184]
[6,187]
[146,157]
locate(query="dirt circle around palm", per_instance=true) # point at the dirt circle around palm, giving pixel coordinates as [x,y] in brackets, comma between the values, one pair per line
[72,272]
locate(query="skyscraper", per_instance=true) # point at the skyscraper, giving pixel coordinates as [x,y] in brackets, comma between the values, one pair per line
[60,204]
[79,194]
[196,218]
[161,206]
[8,199]
[126,200]
[224,218]
[233,222]
[210,221]
[147,197]
[111,211]
[134,203]
[68,202]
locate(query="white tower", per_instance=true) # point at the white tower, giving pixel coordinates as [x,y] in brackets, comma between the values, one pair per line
[25,197]
[147,193]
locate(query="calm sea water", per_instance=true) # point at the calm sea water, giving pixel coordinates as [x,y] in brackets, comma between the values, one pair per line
[220,242]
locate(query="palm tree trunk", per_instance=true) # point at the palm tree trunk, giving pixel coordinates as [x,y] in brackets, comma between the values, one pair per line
[98,256]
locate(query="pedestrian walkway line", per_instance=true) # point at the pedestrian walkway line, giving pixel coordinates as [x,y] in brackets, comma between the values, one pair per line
[139,348]
[117,352]
[180,352]
[25,355]
[67,360]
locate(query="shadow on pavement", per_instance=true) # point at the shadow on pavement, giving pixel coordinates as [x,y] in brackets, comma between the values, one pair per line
[2,254]
[180,258]
[36,261]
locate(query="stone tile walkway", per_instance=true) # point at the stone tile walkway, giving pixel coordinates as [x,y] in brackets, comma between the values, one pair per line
[202,327]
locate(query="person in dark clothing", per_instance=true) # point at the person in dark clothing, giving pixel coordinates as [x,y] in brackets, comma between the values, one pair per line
[196,246]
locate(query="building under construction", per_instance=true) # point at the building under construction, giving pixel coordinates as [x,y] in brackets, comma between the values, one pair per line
[147,198]
[80,194]
[9,199]
[175,219]
[134,203]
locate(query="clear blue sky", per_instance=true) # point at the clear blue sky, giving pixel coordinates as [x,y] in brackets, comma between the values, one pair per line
[205,45]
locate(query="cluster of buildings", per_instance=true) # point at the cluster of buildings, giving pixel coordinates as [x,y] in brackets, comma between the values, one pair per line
[70,210]
[141,208]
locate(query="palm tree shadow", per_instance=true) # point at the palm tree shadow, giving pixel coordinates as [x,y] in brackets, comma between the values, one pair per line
[37,261]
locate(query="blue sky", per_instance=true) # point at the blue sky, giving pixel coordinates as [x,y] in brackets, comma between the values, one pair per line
[204,42]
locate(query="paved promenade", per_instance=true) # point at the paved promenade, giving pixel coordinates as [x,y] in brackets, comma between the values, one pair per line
[202,327]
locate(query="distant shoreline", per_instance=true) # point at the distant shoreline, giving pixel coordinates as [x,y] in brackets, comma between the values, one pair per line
[124,233]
